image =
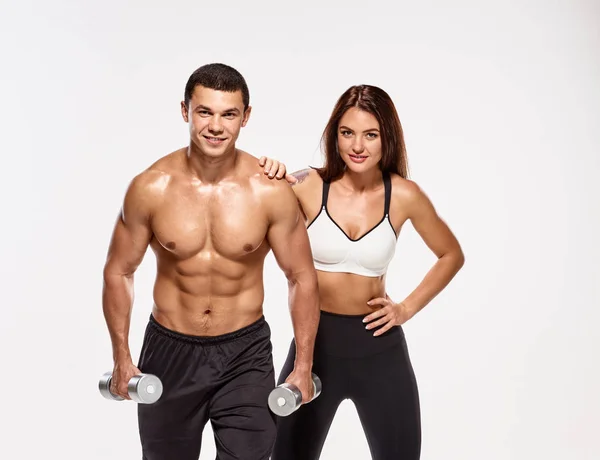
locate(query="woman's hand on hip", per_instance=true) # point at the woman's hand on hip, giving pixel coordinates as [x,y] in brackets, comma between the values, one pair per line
[389,315]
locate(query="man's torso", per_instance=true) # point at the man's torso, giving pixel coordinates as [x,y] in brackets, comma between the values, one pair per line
[210,245]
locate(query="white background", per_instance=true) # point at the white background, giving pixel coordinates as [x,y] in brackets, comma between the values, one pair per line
[500,103]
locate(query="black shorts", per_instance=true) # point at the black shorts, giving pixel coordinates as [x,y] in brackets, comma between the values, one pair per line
[225,379]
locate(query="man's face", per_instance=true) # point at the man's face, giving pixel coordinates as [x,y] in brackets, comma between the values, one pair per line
[215,119]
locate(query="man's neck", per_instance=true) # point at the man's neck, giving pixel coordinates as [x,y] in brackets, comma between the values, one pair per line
[209,169]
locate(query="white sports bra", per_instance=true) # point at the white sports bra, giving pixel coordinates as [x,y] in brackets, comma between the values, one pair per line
[334,251]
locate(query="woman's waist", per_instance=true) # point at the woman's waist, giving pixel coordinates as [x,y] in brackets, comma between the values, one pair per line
[345,335]
[346,293]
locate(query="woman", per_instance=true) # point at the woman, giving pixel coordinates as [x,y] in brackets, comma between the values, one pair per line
[354,207]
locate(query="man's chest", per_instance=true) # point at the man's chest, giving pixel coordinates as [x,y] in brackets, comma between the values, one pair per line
[229,224]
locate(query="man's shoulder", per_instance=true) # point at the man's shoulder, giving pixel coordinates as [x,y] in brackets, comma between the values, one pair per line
[253,172]
[172,163]
[275,196]
[271,187]
[272,192]
[154,180]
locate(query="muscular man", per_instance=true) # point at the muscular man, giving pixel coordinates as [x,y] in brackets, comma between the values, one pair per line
[211,216]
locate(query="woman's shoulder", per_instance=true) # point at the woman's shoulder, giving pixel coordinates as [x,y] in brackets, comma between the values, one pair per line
[307,177]
[405,189]
[308,188]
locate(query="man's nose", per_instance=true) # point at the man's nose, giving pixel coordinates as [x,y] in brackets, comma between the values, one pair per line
[215,126]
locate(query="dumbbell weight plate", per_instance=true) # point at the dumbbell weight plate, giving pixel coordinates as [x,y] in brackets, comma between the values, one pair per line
[284,399]
[104,387]
[317,386]
[145,388]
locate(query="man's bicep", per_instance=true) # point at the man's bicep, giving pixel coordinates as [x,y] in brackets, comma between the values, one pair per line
[288,238]
[131,234]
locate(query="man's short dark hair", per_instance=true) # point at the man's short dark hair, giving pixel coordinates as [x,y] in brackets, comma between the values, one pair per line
[219,77]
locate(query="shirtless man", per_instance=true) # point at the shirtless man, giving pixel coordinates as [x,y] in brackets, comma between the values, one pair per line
[211,216]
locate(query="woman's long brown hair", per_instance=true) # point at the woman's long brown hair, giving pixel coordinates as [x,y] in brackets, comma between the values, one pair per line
[378,103]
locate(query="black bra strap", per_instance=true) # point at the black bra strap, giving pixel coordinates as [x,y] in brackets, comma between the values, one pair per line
[325,194]
[388,192]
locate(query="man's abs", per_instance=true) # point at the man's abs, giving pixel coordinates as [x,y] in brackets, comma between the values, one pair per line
[211,301]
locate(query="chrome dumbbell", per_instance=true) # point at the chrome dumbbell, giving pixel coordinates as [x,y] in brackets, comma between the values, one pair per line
[143,388]
[286,398]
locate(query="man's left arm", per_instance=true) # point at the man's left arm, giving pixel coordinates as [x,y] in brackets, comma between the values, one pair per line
[288,238]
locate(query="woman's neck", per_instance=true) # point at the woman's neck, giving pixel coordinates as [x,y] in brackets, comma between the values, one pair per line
[362,182]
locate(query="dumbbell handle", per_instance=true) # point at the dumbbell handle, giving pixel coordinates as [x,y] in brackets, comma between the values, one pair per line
[142,388]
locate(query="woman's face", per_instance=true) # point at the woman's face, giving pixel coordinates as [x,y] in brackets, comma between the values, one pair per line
[359,140]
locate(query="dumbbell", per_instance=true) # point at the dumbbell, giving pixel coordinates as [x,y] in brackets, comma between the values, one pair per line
[142,388]
[286,398]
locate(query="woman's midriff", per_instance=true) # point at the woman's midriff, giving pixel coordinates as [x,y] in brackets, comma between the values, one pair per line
[348,294]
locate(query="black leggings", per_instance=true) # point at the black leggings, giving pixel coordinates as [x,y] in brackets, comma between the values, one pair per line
[375,373]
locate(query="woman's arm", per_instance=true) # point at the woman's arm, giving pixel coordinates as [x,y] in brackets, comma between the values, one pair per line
[440,240]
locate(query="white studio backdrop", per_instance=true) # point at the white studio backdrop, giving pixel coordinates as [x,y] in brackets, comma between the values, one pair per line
[500,104]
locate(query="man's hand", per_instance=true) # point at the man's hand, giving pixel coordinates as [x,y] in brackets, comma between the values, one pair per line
[276,169]
[122,374]
[303,381]
[390,314]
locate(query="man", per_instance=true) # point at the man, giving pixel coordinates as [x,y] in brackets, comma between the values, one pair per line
[211,216]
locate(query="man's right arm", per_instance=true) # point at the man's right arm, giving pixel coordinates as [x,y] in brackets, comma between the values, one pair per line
[128,245]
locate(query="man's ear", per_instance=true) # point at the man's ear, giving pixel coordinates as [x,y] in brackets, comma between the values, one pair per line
[184,112]
[246,116]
